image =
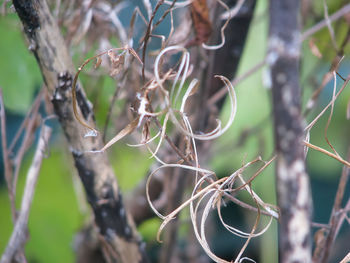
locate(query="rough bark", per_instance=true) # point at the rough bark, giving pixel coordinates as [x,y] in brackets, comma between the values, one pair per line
[293,191]
[119,235]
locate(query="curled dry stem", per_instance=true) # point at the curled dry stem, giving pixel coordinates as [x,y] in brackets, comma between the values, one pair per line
[222,30]
[173,111]
[216,189]
[312,123]
[93,131]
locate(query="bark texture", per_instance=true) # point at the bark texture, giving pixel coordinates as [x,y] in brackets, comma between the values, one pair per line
[118,233]
[293,191]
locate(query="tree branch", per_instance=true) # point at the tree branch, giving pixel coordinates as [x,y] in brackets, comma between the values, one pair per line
[19,234]
[115,225]
[336,219]
[293,190]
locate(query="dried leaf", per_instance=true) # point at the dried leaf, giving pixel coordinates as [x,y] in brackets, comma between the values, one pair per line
[146,131]
[194,90]
[201,22]
[314,49]
[319,239]
[117,63]
[188,148]
[98,62]
[127,130]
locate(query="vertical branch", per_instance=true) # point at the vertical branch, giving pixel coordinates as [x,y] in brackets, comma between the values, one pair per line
[293,190]
[29,129]
[336,219]
[5,153]
[19,234]
[118,233]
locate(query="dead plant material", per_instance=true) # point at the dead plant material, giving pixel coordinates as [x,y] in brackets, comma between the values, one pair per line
[314,49]
[117,62]
[201,22]
[19,234]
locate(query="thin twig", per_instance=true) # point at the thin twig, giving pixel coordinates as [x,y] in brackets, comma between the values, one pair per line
[5,153]
[147,36]
[164,15]
[338,158]
[329,104]
[319,225]
[336,219]
[27,140]
[331,115]
[110,110]
[340,13]
[24,124]
[222,92]
[18,236]
[329,25]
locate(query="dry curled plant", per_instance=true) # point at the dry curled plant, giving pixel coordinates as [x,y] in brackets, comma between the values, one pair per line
[164,98]
[160,109]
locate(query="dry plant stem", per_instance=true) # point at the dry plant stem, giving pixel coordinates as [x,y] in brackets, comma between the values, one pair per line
[165,14]
[225,61]
[19,234]
[329,104]
[20,130]
[328,76]
[346,259]
[293,190]
[147,36]
[334,156]
[5,153]
[110,110]
[136,201]
[240,24]
[340,13]
[30,128]
[328,22]
[75,82]
[336,219]
[222,92]
[115,225]
[175,186]
[331,115]
[318,225]
[314,29]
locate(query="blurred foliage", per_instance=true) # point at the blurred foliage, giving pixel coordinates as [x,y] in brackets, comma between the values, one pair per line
[54,215]
[19,71]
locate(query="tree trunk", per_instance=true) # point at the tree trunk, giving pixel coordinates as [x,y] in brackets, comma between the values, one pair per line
[293,190]
[118,233]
